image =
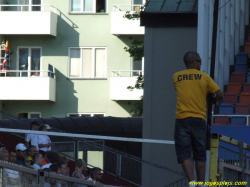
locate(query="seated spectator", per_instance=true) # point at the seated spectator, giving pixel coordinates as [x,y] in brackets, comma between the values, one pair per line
[10,177]
[31,151]
[51,157]
[28,163]
[49,182]
[56,168]
[21,154]
[44,142]
[4,155]
[78,173]
[2,146]
[12,157]
[80,167]
[64,163]
[38,160]
[95,175]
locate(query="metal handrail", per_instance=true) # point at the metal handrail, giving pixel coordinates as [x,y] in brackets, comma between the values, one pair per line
[41,72]
[117,7]
[22,8]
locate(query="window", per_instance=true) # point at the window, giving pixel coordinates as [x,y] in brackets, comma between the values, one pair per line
[29,114]
[85,114]
[88,6]
[29,60]
[87,62]
[32,5]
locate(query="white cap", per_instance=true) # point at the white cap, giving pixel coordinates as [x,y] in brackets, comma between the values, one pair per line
[21,147]
[48,127]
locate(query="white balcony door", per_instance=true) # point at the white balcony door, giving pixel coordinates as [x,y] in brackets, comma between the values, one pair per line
[29,59]
[136,3]
[137,66]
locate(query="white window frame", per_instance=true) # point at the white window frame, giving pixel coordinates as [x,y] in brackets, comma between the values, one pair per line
[29,57]
[93,63]
[88,12]
[79,114]
[30,113]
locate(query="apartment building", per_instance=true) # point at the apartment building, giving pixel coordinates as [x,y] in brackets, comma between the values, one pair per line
[67,57]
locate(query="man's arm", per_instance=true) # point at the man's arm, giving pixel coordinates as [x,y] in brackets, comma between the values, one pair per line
[218,95]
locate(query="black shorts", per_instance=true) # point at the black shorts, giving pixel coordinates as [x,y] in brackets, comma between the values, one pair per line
[190,136]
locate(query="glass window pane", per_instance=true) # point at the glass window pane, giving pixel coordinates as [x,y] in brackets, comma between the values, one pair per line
[101,6]
[88,6]
[23,60]
[87,65]
[36,2]
[75,62]
[100,63]
[35,61]
[76,5]
[137,65]
[138,2]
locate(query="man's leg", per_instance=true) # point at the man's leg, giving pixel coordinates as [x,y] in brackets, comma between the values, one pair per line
[188,168]
[200,170]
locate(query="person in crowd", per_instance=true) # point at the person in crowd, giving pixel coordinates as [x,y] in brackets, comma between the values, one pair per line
[56,168]
[192,88]
[4,155]
[12,156]
[64,162]
[51,157]
[21,154]
[95,175]
[2,146]
[10,177]
[80,168]
[49,182]
[31,151]
[38,160]
[44,141]
[32,139]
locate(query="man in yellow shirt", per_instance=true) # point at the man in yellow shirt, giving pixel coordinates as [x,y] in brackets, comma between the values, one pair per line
[192,88]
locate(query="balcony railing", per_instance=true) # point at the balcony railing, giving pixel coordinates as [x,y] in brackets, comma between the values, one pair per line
[120,25]
[31,85]
[42,8]
[127,7]
[119,82]
[126,73]
[28,20]
[27,73]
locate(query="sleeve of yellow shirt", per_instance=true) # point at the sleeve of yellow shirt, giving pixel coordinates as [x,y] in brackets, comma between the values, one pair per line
[212,86]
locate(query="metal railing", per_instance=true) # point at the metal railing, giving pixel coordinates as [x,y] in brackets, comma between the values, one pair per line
[27,73]
[127,7]
[15,175]
[229,164]
[233,115]
[126,73]
[30,8]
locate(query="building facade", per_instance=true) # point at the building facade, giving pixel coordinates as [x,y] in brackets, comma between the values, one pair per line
[67,58]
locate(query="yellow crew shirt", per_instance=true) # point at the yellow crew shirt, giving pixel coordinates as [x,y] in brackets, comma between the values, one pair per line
[192,87]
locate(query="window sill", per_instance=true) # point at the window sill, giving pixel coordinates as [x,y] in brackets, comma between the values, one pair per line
[82,13]
[79,78]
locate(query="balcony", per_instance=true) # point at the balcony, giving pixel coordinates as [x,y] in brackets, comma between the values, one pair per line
[124,26]
[119,81]
[27,85]
[28,19]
